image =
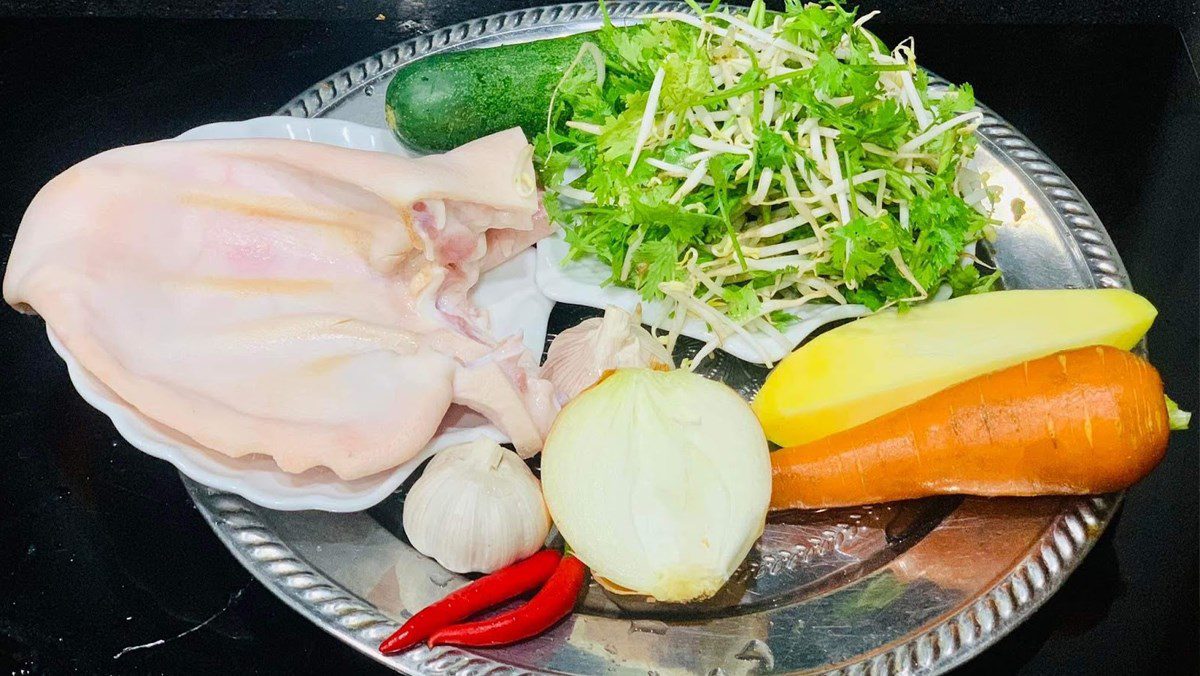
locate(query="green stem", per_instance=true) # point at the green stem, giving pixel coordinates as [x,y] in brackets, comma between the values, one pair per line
[750,86]
[1178,418]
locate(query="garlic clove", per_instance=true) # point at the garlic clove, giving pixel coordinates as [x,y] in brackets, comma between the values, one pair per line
[477,508]
[580,355]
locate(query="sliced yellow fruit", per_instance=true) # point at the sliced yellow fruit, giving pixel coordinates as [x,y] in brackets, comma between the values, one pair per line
[880,363]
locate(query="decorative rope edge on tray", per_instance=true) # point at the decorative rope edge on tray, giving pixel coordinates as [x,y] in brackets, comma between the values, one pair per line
[956,639]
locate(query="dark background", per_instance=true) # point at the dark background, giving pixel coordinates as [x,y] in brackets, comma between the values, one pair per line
[100,547]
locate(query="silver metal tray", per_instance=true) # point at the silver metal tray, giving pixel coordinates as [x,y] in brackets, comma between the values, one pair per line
[913,587]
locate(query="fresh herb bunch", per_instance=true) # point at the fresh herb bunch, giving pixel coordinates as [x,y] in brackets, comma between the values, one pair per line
[743,165]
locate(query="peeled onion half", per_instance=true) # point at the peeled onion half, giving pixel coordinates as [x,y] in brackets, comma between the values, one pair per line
[659,481]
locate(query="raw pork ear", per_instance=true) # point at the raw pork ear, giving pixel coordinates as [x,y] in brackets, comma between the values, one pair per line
[299,300]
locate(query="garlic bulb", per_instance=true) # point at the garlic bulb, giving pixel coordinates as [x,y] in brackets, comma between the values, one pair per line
[477,508]
[659,481]
[581,354]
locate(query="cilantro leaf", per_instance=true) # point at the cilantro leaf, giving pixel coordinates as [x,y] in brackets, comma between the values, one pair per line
[771,150]
[861,247]
[685,81]
[886,124]
[957,99]
[828,74]
[781,319]
[655,262]
[965,280]
[684,227]
[742,302]
[619,133]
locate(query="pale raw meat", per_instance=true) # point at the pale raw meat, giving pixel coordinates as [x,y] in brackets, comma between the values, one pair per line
[294,299]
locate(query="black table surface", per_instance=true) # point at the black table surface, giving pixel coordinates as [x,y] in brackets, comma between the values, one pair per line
[101,549]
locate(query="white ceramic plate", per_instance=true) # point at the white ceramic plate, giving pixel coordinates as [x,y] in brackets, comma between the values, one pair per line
[584,282]
[508,293]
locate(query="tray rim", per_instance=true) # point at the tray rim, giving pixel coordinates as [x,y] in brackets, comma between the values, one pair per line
[936,649]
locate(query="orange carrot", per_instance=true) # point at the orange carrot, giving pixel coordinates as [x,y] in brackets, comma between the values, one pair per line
[1089,420]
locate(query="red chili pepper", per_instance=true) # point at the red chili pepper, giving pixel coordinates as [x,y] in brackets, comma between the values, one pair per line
[481,594]
[546,608]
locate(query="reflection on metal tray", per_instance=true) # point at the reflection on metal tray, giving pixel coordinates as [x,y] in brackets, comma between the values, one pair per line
[913,587]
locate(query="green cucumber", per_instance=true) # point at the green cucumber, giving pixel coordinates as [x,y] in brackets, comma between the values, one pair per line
[445,100]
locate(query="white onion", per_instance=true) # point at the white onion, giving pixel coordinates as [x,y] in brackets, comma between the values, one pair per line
[659,481]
